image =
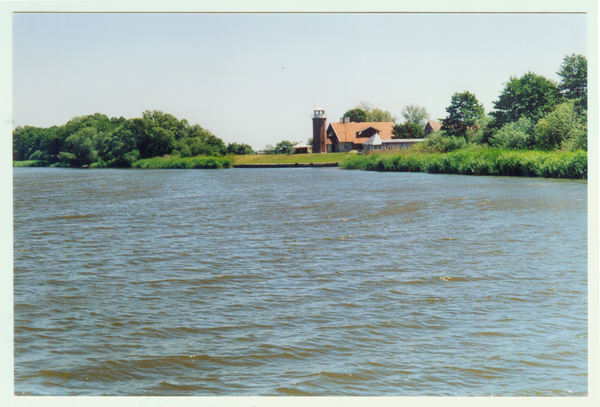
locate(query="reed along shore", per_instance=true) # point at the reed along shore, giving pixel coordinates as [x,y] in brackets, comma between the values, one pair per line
[477,161]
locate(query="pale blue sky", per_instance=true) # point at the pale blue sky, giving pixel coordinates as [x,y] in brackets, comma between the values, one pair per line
[255,78]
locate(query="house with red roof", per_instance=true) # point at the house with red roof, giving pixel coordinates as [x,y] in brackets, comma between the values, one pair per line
[346,135]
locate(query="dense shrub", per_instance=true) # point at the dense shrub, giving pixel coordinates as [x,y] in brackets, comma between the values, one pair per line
[563,127]
[441,142]
[37,155]
[514,135]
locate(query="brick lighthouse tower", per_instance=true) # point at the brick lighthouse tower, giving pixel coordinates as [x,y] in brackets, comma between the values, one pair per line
[319,142]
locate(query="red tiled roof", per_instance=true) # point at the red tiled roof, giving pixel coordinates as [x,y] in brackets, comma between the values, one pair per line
[348,132]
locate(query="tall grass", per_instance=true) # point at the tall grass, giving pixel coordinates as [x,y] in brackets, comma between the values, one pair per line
[183,163]
[477,161]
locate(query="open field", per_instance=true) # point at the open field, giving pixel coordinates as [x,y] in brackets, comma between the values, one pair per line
[290,159]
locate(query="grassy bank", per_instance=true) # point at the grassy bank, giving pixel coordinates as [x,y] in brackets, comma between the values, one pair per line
[183,163]
[30,163]
[477,161]
[210,162]
[290,159]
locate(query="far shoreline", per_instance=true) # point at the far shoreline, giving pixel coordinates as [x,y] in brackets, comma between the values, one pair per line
[472,161]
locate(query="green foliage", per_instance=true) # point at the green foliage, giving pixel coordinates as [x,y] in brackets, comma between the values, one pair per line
[100,164]
[441,142]
[117,142]
[37,155]
[239,149]
[183,163]
[481,131]
[531,96]
[408,130]
[365,112]
[127,159]
[375,114]
[515,135]
[573,85]
[80,145]
[415,114]
[167,122]
[356,115]
[27,140]
[66,158]
[283,147]
[563,127]
[477,161]
[378,115]
[463,113]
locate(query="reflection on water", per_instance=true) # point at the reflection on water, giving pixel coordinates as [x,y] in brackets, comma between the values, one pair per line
[298,282]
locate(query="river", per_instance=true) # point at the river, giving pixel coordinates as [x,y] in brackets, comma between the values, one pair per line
[290,282]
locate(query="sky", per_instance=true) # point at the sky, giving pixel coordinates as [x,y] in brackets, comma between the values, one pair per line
[256,78]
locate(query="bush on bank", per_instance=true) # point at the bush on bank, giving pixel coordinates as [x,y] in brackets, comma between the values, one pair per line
[183,163]
[478,161]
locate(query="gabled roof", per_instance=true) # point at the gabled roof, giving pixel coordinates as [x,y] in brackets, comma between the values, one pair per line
[435,126]
[374,140]
[347,132]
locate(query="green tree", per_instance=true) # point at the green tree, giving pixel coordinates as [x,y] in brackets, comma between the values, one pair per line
[378,115]
[515,135]
[160,142]
[573,85]
[356,115]
[415,114]
[23,139]
[563,125]
[168,122]
[113,147]
[375,114]
[531,96]
[115,141]
[408,130]
[80,144]
[481,131]
[284,147]
[206,143]
[463,113]
[239,149]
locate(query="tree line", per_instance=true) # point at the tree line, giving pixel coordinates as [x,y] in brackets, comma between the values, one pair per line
[532,112]
[118,142]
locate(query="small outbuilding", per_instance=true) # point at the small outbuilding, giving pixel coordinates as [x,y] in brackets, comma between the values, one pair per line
[373,143]
[301,148]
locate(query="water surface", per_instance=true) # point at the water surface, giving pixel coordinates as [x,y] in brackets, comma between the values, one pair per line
[325,282]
